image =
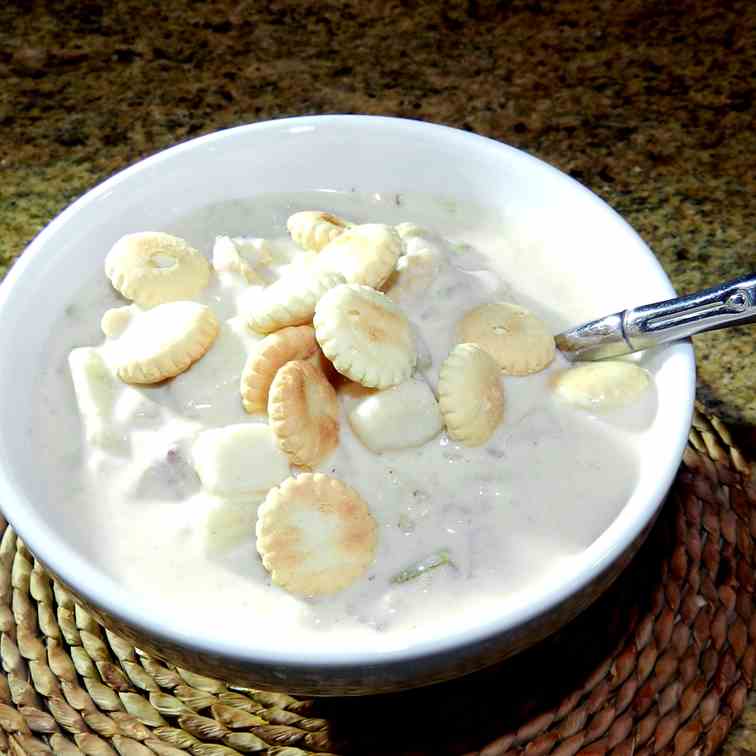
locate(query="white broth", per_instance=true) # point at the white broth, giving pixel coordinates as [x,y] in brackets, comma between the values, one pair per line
[510,513]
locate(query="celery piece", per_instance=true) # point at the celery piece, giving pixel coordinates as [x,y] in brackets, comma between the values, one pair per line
[436,559]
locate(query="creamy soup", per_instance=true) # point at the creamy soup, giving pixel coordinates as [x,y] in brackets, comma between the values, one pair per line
[507,515]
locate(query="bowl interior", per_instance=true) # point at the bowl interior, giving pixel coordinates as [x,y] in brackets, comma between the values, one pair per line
[564,228]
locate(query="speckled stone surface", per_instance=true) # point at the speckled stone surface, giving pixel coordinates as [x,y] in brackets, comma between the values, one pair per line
[650,104]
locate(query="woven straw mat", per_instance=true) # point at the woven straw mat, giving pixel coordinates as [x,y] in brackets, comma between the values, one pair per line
[662,663]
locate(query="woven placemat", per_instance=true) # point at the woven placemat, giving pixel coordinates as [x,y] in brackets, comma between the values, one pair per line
[662,663]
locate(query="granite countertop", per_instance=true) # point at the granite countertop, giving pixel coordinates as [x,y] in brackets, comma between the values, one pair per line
[650,105]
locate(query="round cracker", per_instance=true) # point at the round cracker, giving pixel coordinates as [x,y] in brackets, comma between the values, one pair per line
[315,535]
[291,299]
[518,340]
[365,335]
[602,386]
[364,254]
[470,395]
[267,356]
[162,342]
[303,413]
[152,268]
[313,229]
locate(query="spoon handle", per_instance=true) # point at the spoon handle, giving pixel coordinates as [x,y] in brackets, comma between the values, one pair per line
[728,304]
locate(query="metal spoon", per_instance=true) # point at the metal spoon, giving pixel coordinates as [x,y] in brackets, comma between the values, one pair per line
[731,303]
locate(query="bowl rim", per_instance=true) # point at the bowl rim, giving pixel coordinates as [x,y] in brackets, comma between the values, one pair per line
[115,600]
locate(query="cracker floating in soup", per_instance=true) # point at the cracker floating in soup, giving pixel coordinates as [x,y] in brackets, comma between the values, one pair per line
[152,268]
[364,255]
[365,335]
[314,229]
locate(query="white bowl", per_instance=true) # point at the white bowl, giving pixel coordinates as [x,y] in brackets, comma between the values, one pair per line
[368,154]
